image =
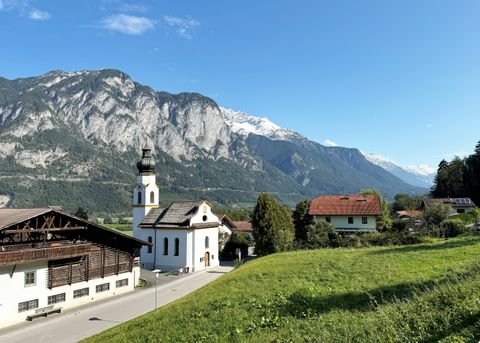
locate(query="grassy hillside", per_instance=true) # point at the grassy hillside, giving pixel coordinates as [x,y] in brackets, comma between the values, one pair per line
[422,293]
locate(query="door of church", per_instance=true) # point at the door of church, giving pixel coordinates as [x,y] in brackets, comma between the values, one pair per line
[207,259]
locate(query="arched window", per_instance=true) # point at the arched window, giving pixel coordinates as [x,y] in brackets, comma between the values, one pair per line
[150,247]
[177,247]
[207,243]
[139,198]
[165,246]
[152,197]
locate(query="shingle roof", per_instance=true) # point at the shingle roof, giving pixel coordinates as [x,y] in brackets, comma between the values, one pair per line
[336,205]
[242,226]
[11,216]
[178,214]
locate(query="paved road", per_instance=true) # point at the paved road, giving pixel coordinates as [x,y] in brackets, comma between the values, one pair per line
[80,323]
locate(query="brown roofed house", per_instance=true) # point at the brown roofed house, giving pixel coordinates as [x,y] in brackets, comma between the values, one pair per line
[347,213]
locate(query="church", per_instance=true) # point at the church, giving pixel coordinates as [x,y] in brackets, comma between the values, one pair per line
[183,235]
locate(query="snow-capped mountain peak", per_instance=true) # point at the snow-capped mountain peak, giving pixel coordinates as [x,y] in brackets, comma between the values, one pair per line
[380,161]
[421,175]
[421,169]
[245,124]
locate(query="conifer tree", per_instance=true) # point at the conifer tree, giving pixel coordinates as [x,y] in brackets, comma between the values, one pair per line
[301,219]
[272,226]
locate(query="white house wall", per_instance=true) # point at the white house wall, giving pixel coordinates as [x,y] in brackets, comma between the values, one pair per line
[341,223]
[13,290]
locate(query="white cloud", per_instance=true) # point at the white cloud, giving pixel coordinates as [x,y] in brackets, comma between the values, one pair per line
[133,8]
[429,125]
[37,14]
[1,5]
[329,142]
[183,27]
[128,24]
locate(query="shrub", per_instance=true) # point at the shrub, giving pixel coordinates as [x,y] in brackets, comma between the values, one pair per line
[320,235]
[453,227]
[236,241]
[399,226]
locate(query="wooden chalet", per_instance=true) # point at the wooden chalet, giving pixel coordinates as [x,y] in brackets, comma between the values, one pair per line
[45,253]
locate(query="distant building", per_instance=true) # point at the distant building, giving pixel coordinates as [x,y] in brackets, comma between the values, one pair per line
[458,205]
[183,234]
[242,226]
[407,215]
[51,260]
[347,213]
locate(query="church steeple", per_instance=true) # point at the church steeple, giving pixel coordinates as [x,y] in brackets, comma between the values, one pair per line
[145,194]
[146,165]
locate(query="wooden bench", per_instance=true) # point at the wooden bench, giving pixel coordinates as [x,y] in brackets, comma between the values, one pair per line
[44,311]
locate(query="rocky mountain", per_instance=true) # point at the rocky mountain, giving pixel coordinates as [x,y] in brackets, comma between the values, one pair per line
[419,176]
[72,139]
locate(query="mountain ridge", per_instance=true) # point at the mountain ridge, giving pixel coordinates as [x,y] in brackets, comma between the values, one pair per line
[81,132]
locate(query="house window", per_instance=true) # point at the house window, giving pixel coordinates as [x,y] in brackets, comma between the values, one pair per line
[27,305]
[58,298]
[78,293]
[364,220]
[139,197]
[150,247]
[460,210]
[350,220]
[177,247]
[207,243]
[152,197]
[328,219]
[165,246]
[103,287]
[121,283]
[29,279]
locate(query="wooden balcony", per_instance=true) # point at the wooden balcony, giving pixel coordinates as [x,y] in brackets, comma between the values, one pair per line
[53,251]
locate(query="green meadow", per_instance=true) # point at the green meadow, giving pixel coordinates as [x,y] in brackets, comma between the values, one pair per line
[419,293]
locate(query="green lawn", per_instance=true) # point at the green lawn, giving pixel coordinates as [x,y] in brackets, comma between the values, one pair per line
[421,293]
[122,228]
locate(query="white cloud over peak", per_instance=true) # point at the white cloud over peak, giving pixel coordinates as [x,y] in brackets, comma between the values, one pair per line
[329,142]
[128,24]
[1,5]
[37,14]
[183,27]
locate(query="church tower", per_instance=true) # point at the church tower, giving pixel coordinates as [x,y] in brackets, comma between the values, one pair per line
[145,193]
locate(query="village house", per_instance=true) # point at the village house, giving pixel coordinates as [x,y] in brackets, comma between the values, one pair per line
[347,213]
[184,235]
[51,261]
[457,205]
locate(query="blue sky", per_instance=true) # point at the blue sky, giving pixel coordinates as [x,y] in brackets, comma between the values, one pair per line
[398,78]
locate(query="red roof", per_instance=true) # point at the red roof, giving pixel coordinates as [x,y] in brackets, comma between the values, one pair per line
[338,205]
[242,226]
[410,214]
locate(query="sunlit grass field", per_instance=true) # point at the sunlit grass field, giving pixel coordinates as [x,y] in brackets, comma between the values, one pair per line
[420,293]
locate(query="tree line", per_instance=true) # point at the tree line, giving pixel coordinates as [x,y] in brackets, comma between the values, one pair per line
[459,178]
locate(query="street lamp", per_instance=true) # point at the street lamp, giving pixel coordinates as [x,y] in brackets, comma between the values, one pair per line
[157,274]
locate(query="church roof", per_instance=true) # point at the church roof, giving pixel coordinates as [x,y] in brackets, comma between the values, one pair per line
[176,215]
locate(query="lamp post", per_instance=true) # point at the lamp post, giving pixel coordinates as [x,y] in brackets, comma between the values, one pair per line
[157,274]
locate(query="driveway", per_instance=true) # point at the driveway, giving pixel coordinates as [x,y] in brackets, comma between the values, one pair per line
[82,322]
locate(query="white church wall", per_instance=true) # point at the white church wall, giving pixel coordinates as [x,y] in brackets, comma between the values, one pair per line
[200,250]
[170,261]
